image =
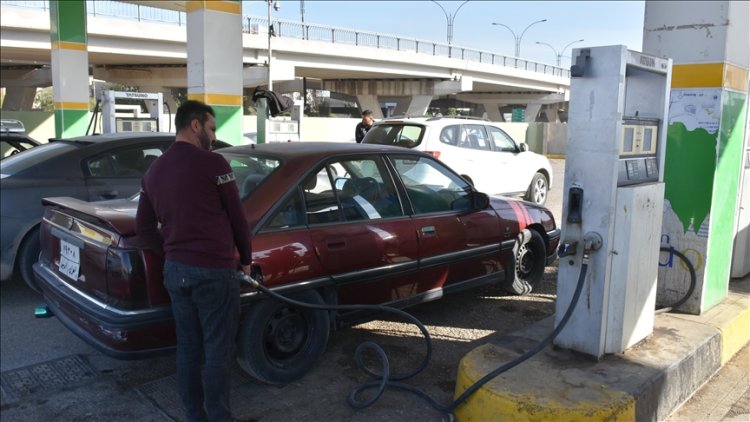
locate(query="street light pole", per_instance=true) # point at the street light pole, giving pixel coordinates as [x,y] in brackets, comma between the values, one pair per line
[518,38]
[559,54]
[450,18]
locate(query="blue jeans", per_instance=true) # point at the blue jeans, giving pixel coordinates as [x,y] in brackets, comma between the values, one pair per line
[205,304]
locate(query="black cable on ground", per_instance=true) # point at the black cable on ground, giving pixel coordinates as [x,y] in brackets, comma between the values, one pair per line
[693,279]
[385,380]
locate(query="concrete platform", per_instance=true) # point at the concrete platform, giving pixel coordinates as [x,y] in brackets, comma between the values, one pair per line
[647,382]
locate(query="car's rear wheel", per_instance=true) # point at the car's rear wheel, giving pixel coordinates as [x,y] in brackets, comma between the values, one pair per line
[529,260]
[28,254]
[538,189]
[278,342]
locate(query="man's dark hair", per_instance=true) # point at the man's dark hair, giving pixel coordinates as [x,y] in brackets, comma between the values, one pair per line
[367,113]
[190,110]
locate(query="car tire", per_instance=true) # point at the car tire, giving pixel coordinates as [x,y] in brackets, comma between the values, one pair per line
[28,254]
[538,189]
[527,265]
[278,342]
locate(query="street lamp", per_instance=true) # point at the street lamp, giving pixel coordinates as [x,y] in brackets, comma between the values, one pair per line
[561,52]
[518,38]
[449,19]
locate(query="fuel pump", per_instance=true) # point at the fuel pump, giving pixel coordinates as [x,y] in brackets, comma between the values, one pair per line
[613,197]
[118,118]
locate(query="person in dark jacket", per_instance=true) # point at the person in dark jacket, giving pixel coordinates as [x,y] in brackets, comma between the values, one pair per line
[192,193]
[362,127]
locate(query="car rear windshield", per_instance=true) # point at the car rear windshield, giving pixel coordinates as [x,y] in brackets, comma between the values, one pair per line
[400,134]
[249,170]
[31,157]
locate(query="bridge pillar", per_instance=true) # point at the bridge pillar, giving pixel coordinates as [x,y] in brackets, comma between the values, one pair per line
[214,62]
[532,110]
[19,98]
[70,67]
[492,109]
[551,112]
[418,105]
[370,102]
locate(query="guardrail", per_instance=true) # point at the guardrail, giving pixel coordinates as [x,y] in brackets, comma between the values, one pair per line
[313,32]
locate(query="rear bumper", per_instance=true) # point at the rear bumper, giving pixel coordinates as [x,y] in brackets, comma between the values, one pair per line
[552,243]
[114,332]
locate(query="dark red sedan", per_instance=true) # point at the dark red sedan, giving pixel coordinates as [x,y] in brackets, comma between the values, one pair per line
[333,223]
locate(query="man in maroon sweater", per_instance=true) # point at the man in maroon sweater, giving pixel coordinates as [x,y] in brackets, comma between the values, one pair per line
[192,193]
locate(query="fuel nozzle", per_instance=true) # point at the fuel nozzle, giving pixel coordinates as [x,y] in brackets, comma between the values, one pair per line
[248,279]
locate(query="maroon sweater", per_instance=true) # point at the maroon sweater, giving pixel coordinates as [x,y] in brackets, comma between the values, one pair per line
[193,194]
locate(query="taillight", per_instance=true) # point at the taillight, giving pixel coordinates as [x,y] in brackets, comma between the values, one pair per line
[435,154]
[126,279]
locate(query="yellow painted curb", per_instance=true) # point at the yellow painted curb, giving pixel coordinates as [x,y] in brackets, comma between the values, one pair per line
[553,398]
[732,318]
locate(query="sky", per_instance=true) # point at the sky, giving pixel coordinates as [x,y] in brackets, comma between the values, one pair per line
[598,23]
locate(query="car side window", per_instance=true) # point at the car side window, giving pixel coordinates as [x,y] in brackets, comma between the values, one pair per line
[503,142]
[450,134]
[366,191]
[130,162]
[475,137]
[430,186]
[289,215]
[321,204]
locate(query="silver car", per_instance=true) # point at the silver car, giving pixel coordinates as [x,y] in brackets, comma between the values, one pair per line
[90,168]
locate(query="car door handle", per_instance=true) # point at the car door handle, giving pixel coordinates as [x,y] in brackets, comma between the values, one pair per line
[336,245]
[110,194]
[428,230]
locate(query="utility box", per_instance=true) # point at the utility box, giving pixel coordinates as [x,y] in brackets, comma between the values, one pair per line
[614,189]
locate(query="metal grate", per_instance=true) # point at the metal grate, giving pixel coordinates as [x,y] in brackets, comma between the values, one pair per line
[45,377]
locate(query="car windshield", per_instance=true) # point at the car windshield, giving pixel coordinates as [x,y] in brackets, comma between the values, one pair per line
[249,170]
[31,157]
[400,134]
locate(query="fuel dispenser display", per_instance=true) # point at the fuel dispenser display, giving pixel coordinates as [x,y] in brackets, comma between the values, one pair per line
[638,161]
[613,197]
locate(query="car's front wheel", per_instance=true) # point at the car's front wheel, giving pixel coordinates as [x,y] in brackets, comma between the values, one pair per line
[28,254]
[278,342]
[538,189]
[529,260]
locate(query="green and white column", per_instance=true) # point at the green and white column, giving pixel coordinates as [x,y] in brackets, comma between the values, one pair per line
[708,42]
[214,68]
[70,67]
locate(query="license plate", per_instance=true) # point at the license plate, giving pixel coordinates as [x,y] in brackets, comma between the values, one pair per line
[70,259]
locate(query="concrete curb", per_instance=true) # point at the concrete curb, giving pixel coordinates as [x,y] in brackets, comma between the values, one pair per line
[646,382]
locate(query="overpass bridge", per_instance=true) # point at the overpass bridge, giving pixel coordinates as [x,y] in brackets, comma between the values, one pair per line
[145,47]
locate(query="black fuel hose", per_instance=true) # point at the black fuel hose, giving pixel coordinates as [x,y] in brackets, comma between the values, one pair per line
[385,380]
[693,279]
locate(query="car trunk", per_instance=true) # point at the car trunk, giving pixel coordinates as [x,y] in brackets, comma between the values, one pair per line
[92,247]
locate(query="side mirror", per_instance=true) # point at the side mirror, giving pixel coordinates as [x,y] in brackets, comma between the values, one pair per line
[523,147]
[479,200]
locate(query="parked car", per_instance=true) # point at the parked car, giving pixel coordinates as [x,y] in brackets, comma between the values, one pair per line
[478,149]
[90,168]
[13,138]
[333,223]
